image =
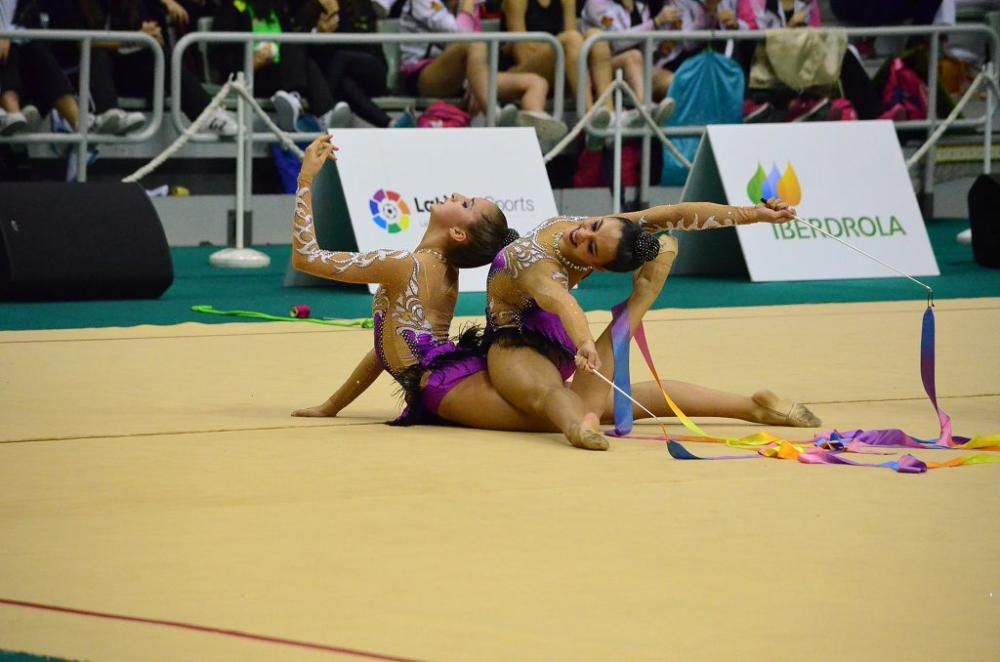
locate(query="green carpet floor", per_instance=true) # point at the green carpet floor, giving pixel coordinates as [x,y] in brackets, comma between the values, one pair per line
[261,290]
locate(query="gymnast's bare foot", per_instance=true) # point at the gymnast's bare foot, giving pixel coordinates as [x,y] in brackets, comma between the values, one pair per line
[772,410]
[586,434]
[324,410]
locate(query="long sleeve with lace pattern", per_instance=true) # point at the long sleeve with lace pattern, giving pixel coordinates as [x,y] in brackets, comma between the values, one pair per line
[379,266]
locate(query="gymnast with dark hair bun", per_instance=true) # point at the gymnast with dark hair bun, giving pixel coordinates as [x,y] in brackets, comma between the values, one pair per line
[537,336]
[448,382]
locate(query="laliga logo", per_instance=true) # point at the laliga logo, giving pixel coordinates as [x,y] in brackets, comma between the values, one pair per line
[389,211]
[766,186]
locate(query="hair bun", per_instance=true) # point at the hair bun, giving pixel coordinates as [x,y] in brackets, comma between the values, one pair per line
[646,247]
[511,236]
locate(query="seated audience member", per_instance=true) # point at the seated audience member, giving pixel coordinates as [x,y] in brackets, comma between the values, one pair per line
[121,68]
[354,72]
[31,81]
[442,70]
[634,16]
[285,72]
[558,18]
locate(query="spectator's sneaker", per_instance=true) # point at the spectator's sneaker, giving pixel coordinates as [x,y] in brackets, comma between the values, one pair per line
[601,119]
[631,119]
[110,121]
[897,114]
[546,127]
[508,115]
[32,117]
[222,123]
[131,122]
[663,110]
[406,120]
[288,106]
[11,123]
[338,117]
[803,110]
[754,112]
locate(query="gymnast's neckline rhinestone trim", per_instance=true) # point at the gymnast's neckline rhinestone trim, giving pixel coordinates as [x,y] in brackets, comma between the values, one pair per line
[563,260]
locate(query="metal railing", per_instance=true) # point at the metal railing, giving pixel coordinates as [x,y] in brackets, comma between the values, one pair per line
[649,40]
[83,137]
[492,40]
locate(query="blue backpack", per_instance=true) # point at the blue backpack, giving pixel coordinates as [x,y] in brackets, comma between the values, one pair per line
[708,89]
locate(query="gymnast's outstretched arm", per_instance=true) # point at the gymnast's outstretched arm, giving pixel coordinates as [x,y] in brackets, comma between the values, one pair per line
[364,375]
[380,266]
[709,215]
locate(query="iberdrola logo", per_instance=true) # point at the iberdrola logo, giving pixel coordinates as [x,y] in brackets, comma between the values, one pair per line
[764,186]
[389,211]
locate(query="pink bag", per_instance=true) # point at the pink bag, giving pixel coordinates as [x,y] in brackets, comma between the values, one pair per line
[442,115]
[841,110]
[904,87]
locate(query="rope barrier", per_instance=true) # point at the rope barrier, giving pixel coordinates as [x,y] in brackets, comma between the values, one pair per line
[948,121]
[581,124]
[196,126]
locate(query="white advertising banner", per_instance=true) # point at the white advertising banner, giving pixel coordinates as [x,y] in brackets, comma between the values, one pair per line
[847,177]
[391,179]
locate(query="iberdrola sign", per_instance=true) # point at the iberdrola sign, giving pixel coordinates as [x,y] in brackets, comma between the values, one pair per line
[845,178]
[766,185]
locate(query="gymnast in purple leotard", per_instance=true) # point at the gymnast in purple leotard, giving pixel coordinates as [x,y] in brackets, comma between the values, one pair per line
[447,382]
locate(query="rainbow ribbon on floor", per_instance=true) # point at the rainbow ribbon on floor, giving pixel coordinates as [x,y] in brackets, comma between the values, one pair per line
[824,448]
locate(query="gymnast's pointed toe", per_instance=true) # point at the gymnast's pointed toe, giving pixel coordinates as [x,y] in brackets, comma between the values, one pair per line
[775,411]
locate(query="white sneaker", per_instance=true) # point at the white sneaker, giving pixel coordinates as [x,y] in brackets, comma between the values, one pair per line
[631,119]
[339,117]
[132,122]
[222,123]
[964,237]
[547,127]
[508,115]
[32,117]
[288,106]
[110,121]
[663,110]
[11,123]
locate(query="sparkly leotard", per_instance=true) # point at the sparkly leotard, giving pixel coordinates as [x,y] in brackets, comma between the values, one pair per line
[411,326]
[512,316]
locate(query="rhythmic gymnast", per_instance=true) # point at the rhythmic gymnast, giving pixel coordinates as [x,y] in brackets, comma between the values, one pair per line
[415,303]
[537,334]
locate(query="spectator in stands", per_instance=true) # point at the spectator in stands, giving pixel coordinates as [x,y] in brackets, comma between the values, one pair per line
[354,72]
[776,105]
[29,72]
[774,14]
[634,16]
[285,72]
[122,68]
[438,70]
[558,18]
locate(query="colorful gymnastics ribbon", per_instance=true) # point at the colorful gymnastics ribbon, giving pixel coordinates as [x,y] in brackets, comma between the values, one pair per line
[364,323]
[824,448]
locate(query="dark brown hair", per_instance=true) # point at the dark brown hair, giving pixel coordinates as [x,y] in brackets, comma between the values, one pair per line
[485,239]
[635,247]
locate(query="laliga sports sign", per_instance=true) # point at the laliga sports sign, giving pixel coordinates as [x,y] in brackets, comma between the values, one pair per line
[392,179]
[848,178]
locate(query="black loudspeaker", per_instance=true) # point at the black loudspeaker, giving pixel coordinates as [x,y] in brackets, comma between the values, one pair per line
[61,242]
[984,217]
